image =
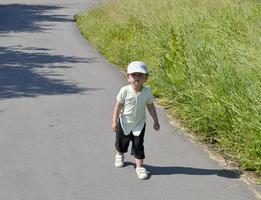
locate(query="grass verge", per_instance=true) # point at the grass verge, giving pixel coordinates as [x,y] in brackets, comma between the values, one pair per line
[204,58]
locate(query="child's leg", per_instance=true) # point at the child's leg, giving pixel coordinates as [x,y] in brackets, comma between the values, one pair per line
[119,153]
[121,145]
[138,153]
[139,162]
[138,148]
[122,141]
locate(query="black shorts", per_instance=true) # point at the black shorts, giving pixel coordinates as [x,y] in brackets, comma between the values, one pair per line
[122,143]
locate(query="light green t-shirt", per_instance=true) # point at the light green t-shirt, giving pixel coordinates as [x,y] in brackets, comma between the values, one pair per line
[133,113]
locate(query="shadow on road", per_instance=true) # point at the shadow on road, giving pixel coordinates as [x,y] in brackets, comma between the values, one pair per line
[20,76]
[30,72]
[28,18]
[157,170]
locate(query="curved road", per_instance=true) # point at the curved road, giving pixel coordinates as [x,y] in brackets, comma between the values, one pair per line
[56,100]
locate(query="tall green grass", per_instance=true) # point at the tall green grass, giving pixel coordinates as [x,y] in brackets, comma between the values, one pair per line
[204,58]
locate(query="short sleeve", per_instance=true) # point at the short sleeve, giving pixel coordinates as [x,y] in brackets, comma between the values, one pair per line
[121,96]
[150,98]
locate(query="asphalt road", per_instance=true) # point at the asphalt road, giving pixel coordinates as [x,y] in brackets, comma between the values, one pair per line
[56,100]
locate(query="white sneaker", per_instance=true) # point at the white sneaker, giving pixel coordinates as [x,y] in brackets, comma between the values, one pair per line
[119,160]
[142,173]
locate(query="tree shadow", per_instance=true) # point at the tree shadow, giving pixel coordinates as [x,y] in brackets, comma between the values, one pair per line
[20,76]
[27,18]
[157,170]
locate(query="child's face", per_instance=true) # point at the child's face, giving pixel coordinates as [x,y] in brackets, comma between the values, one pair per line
[137,79]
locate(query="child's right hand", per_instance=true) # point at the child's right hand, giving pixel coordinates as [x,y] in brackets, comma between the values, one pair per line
[156,126]
[114,127]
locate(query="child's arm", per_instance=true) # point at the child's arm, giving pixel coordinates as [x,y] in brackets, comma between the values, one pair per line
[115,117]
[154,116]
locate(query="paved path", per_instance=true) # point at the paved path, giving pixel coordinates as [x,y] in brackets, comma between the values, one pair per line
[56,100]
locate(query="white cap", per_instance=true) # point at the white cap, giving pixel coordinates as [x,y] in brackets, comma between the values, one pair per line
[137,67]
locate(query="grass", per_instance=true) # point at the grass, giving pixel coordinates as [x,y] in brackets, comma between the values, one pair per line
[204,58]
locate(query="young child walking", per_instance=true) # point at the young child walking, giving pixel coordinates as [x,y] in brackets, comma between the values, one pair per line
[129,116]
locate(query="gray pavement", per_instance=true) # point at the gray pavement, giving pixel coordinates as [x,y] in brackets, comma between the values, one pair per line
[56,100]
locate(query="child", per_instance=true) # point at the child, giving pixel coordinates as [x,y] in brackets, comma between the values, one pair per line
[129,116]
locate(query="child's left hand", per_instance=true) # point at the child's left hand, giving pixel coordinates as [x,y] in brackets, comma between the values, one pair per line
[156,126]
